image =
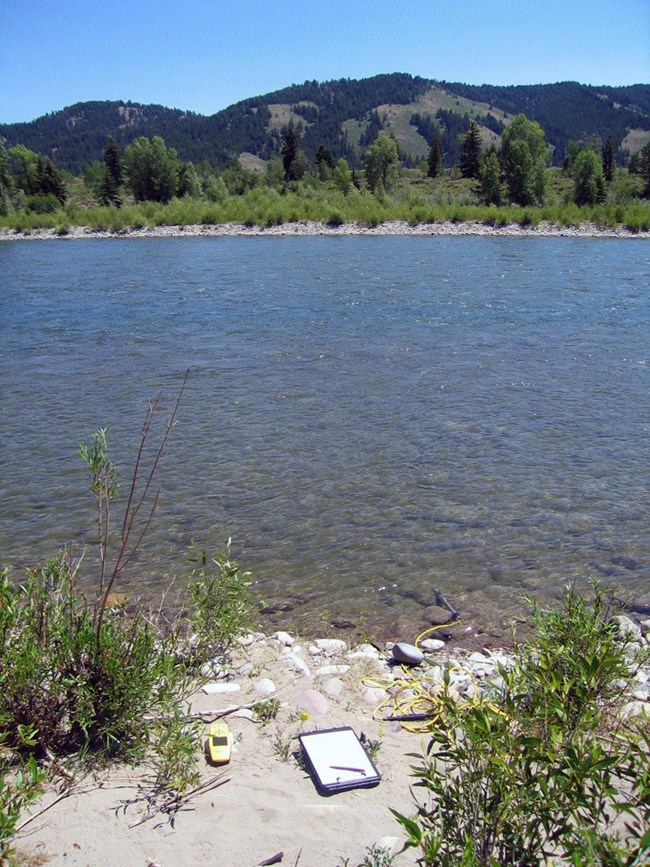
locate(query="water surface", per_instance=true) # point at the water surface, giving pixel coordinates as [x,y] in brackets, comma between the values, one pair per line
[367,417]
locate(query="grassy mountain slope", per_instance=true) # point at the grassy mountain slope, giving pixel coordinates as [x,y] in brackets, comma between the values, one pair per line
[343,115]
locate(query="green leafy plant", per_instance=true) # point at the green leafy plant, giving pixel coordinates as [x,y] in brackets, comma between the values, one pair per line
[221,602]
[18,788]
[536,774]
[266,710]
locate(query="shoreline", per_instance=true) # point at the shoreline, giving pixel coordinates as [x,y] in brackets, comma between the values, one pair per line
[313,229]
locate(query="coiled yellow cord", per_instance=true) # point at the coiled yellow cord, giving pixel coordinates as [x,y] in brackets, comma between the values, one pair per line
[420,694]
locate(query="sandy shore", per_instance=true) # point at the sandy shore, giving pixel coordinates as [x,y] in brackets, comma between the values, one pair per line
[265,802]
[542,230]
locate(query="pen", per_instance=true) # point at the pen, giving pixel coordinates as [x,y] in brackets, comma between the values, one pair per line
[345,768]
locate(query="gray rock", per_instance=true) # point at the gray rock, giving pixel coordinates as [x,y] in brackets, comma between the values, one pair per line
[407,653]
[246,669]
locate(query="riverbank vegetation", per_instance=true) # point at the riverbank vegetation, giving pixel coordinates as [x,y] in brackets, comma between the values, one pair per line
[149,186]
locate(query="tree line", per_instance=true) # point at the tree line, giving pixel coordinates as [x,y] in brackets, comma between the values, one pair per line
[516,171]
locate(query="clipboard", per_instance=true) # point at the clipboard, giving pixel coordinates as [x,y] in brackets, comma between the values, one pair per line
[337,760]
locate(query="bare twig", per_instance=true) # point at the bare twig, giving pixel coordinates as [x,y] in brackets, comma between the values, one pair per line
[136,498]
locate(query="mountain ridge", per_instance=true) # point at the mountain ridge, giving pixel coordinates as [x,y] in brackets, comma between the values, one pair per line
[344,115]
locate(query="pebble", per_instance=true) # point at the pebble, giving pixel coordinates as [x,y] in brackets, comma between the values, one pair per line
[214,668]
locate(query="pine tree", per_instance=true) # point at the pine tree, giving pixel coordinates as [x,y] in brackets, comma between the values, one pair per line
[436,157]
[608,154]
[470,153]
[289,152]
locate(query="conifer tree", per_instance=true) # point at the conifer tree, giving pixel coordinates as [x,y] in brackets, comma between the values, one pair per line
[609,152]
[470,153]
[436,157]
[290,152]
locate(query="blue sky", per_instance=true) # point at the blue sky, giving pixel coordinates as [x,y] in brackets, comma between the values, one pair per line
[203,55]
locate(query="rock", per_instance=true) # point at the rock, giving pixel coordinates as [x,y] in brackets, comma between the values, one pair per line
[246,669]
[330,646]
[215,669]
[332,687]
[366,649]
[477,657]
[214,688]
[407,653]
[645,627]
[373,696]
[642,693]
[315,651]
[635,709]
[432,645]
[264,686]
[283,638]
[245,640]
[326,670]
[295,663]
[387,844]
[628,630]
[313,702]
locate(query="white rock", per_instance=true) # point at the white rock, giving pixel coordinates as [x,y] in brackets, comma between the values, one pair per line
[330,646]
[645,626]
[373,696]
[264,686]
[476,657]
[333,686]
[627,628]
[387,844]
[326,670]
[315,651]
[432,645]
[245,640]
[295,663]
[407,653]
[214,688]
[366,649]
[283,638]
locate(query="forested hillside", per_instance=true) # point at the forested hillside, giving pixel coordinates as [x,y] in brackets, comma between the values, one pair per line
[345,116]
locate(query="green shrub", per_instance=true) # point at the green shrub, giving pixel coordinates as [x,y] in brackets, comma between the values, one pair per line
[533,774]
[221,603]
[18,788]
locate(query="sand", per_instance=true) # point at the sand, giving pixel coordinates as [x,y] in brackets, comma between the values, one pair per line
[264,801]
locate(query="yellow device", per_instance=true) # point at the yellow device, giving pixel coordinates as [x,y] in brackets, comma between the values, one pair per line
[219,744]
